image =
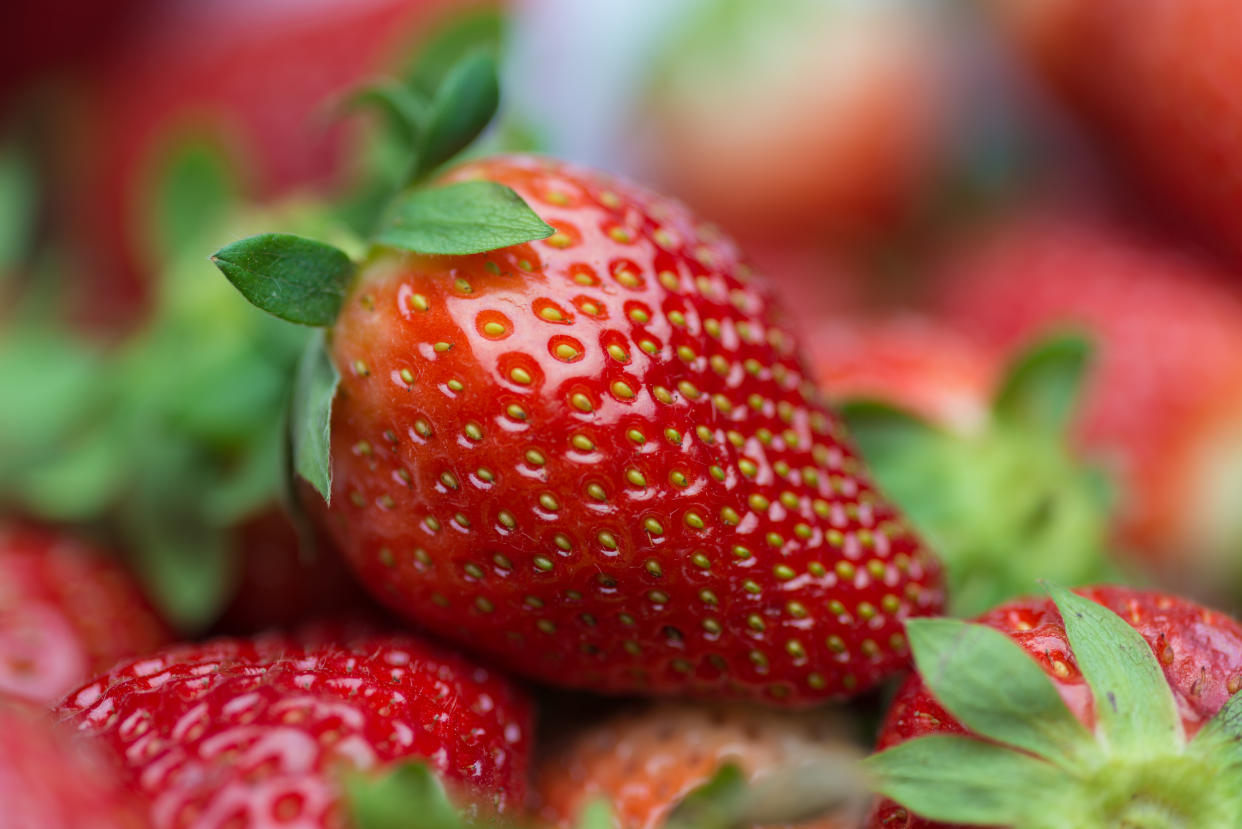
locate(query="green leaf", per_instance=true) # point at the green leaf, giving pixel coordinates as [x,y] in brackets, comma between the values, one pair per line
[1044,384]
[479,31]
[959,780]
[1134,707]
[299,280]
[988,682]
[310,415]
[408,795]
[405,109]
[462,107]
[463,218]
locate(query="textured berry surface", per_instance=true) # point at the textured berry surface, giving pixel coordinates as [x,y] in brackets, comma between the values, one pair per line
[1165,396]
[51,780]
[598,459]
[258,733]
[645,762]
[67,612]
[1157,81]
[1199,649]
[909,361]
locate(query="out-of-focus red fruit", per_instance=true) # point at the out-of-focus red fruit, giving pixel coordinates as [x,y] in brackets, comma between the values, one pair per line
[1164,402]
[67,612]
[280,585]
[796,118]
[644,763]
[911,361]
[1157,82]
[50,779]
[252,80]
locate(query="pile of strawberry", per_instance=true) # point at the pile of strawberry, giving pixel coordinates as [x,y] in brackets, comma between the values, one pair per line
[516,496]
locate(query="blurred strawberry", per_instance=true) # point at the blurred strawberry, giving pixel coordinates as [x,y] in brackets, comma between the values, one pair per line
[67,612]
[1156,80]
[51,779]
[1164,402]
[797,118]
[249,82]
[645,763]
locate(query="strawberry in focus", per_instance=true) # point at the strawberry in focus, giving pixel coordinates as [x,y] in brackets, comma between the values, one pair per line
[1124,702]
[1162,404]
[645,762]
[67,612]
[598,459]
[265,731]
[50,779]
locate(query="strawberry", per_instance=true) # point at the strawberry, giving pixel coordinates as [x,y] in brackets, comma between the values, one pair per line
[67,612]
[845,109]
[254,732]
[50,779]
[1185,57]
[645,762]
[1115,707]
[913,361]
[947,435]
[1162,405]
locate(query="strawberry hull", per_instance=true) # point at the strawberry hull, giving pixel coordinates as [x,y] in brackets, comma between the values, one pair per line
[596,459]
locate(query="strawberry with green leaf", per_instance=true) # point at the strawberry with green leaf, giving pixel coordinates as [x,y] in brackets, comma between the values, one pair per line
[991,479]
[1112,707]
[558,420]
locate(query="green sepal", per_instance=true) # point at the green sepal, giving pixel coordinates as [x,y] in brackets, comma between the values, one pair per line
[1222,735]
[463,106]
[716,804]
[410,794]
[19,198]
[194,189]
[1044,383]
[886,433]
[961,780]
[1134,708]
[987,681]
[462,218]
[595,815]
[479,31]
[310,415]
[298,280]
[404,108]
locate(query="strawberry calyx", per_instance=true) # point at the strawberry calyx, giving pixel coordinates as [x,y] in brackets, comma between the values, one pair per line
[304,281]
[1032,763]
[1012,484]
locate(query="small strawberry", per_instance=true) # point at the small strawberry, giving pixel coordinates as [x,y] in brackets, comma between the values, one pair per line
[1114,707]
[67,612]
[588,447]
[50,779]
[266,731]
[646,762]
[1162,405]
[1154,79]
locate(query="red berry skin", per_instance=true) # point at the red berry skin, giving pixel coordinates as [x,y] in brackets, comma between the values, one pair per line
[67,612]
[260,731]
[49,779]
[1164,396]
[596,459]
[1200,649]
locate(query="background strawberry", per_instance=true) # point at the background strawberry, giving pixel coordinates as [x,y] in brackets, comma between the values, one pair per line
[1180,136]
[49,779]
[1129,758]
[621,468]
[645,762]
[1163,402]
[265,731]
[67,612]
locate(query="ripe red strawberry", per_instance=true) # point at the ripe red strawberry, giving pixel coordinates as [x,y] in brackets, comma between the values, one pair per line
[597,458]
[844,108]
[912,361]
[1164,401]
[1155,81]
[263,732]
[644,763]
[49,779]
[67,612]
[1153,681]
